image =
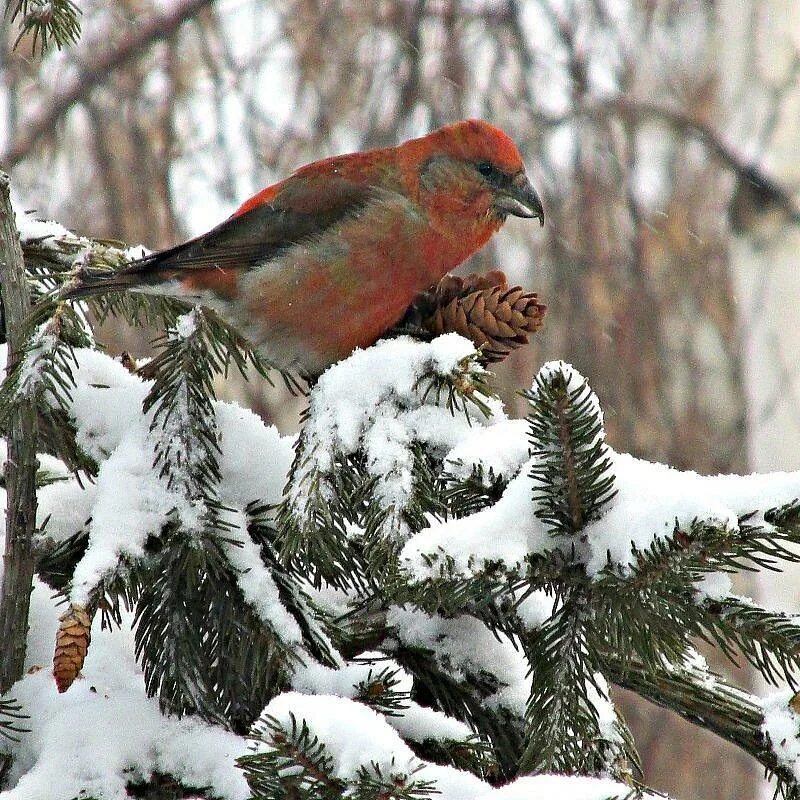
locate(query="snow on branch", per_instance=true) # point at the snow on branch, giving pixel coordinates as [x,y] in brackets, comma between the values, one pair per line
[105,408]
[439,596]
[651,501]
[298,745]
[381,401]
[366,466]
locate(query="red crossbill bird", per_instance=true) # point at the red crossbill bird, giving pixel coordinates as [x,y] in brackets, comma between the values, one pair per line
[329,258]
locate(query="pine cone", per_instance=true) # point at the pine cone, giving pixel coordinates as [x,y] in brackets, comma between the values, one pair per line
[483,309]
[72,644]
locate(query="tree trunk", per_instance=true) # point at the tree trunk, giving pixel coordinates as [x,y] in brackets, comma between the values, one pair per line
[21,464]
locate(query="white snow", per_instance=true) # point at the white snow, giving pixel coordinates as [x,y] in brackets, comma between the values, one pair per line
[420,723]
[714,586]
[332,600]
[32,229]
[355,736]
[604,708]
[314,678]
[186,324]
[782,726]
[104,731]
[650,499]
[383,378]
[451,783]
[369,740]
[499,449]
[470,544]
[412,720]
[257,585]
[373,401]
[255,458]
[535,609]
[122,518]
[41,347]
[60,506]
[106,402]
[464,645]
[106,409]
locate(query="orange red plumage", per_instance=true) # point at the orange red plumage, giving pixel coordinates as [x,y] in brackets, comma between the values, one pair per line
[330,258]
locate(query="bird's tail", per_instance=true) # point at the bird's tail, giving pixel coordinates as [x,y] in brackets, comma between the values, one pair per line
[148,274]
[89,283]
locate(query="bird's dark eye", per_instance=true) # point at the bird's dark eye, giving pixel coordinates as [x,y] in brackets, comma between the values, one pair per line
[485,169]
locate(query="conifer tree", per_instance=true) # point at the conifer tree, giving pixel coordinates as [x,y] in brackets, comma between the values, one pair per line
[439,601]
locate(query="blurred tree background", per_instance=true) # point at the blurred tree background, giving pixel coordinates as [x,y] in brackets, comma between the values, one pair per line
[650,128]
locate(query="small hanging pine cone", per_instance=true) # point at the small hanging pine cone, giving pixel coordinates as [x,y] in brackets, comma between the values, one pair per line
[72,645]
[482,308]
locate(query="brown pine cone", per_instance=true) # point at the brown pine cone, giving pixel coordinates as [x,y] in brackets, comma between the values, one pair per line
[482,308]
[72,645]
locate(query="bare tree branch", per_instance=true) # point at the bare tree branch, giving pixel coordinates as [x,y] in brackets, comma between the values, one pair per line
[93,74]
[752,174]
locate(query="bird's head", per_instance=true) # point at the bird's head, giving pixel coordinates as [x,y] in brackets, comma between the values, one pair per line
[475,163]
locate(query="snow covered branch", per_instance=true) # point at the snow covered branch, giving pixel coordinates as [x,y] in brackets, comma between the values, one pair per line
[416,594]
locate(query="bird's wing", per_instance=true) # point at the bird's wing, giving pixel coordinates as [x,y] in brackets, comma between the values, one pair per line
[301,208]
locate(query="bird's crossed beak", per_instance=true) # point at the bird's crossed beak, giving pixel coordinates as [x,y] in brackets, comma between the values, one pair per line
[520,199]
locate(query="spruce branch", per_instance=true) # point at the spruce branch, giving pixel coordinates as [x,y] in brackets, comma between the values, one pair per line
[56,561]
[769,640]
[462,496]
[54,257]
[47,22]
[203,649]
[704,699]
[563,733]
[315,520]
[573,475]
[184,421]
[385,527]
[10,715]
[21,466]
[317,628]
[464,389]
[463,699]
[659,590]
[473,755]
[226,346]
[482,596]
[365,475]
[296,764]
[119,589]
[44,378]
[379,690]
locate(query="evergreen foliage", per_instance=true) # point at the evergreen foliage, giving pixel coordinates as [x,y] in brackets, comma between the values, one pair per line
[297,764]
[10,716]
[440,643]
[46,22]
